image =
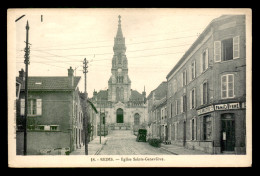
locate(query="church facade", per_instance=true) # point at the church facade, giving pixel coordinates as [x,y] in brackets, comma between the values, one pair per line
[120,106]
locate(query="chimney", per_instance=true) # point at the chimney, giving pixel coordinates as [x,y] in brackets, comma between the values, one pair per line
[22,74]
[71,77]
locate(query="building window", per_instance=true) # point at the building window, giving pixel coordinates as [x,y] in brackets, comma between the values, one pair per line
[170,89]
[207,128]
[41,127]
[120,79]
[174,86]
[171,109]
[176,107]
[175,130]
[162,114]
[204,60]
[184,78]
[204,93]
[227,86]
[183,103]
[193,128]
[54,128]
[193,98]
[193,70]
[227,49]
[34,107]
[136,119]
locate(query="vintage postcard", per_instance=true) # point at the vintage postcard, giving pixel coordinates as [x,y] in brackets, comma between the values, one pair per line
[119,87]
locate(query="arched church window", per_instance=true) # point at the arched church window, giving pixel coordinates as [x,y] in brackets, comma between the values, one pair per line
[136,119]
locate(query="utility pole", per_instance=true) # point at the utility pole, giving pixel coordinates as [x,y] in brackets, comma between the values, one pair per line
[85,125]
[104,120]
[100,122]
[26,61]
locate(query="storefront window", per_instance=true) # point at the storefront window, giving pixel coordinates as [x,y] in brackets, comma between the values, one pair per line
[207,128]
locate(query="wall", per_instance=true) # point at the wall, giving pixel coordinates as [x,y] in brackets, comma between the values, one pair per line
[37,141]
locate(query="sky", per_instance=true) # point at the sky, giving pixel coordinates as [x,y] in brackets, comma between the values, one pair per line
[155,39]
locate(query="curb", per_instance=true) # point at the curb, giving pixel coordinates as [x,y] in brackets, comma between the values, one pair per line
[97,152]
[168,151]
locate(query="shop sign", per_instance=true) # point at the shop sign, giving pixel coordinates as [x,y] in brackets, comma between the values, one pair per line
[234,106]
[220,107]
[205,110]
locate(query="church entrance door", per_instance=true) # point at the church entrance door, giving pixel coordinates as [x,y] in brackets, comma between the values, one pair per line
[119,116]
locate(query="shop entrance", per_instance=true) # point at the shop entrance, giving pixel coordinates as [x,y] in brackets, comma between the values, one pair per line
[227,132]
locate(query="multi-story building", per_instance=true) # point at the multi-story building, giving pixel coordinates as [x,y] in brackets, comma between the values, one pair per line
[121,107]
[55,116]
[157,112]
[207,90]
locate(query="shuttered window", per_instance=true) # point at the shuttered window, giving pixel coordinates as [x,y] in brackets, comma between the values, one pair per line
[217,51]
[193,98]
[204,60]
[39,106]
[227,86]
[193,70]
[204,93]
[236,47]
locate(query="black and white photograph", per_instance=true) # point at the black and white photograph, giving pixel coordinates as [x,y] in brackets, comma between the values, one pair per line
[135,87]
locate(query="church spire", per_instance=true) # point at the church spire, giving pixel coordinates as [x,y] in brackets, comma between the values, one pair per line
[119,30]
[119,40]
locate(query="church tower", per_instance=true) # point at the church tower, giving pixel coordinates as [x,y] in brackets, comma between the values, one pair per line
[119,84]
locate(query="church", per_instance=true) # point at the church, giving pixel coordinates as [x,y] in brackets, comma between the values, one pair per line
[120,107]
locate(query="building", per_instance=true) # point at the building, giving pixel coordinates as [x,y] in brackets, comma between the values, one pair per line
[120,106]
[157,112]
[207,90]
[55,114]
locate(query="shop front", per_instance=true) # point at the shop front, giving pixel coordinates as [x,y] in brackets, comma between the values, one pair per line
[223,127]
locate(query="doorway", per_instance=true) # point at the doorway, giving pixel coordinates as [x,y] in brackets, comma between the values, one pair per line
[227,132]
[119,116]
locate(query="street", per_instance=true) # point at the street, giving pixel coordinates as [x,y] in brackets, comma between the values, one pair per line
[123,142]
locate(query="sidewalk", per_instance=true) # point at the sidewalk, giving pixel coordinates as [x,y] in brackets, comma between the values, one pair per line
[94,147]
[177,150]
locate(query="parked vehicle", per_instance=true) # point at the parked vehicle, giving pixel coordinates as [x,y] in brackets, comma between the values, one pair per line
[141,135]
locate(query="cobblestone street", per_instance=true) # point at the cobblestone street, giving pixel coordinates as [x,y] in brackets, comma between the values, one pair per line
[123,142]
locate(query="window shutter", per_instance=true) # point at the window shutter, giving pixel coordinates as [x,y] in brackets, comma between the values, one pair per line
[191,99]
[195,69]
[186,79]
[236,47]
[39,106]
[201,94]
[217,51]
[195,129]
[201,63]
[207,58]
[190,129]
[176,130]
[195,98]
[181,104]
[182,80]
[22,106]
[190,73]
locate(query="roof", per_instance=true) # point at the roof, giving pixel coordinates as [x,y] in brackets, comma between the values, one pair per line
[198,40]
[49,83]
[102,95]
[135,95]
[159,92]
